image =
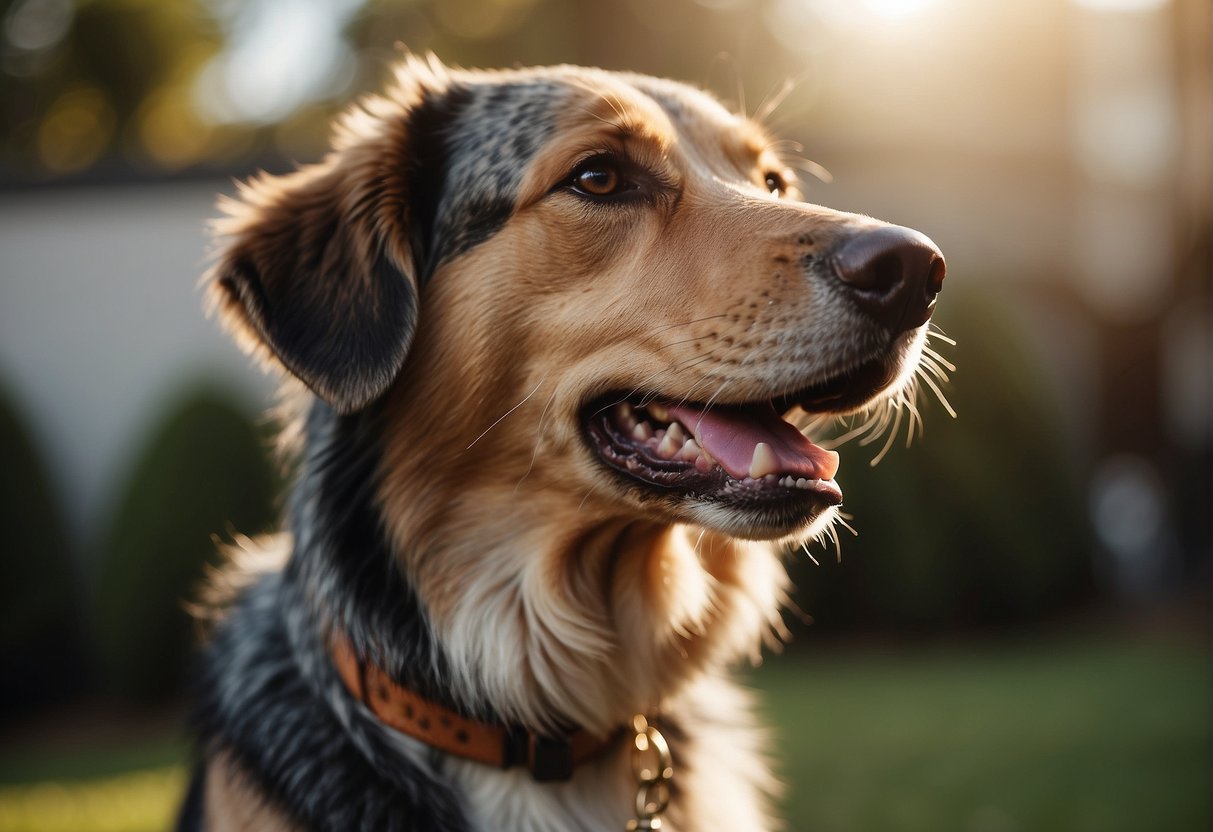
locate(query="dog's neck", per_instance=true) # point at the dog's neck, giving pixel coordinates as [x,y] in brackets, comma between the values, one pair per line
[504,616]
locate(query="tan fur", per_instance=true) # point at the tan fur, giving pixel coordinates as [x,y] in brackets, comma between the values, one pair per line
[561,597]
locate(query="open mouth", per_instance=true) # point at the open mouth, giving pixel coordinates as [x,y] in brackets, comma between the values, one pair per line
[744,455]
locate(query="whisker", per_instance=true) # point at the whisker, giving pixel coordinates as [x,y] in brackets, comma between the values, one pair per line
[581,505]
[771,102]
[928,365]
[538,440]
[933,331]
[837,543]
[892,435]
[943,400]
[507,413]
[935,356]
[841,519]
[815,169]
[782,146]
[805,547]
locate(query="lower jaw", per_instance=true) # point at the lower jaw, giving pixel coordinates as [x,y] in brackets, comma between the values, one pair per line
[769,522]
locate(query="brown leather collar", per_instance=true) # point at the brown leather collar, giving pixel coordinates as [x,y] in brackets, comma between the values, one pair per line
[548,759]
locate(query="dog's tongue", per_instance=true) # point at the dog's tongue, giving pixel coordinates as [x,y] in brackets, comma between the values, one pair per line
[732,434]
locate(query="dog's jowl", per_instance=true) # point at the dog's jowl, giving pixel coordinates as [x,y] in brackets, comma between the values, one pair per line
[546,336]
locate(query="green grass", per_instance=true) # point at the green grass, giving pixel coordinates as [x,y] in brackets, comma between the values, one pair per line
[1080,736]
[1090,735]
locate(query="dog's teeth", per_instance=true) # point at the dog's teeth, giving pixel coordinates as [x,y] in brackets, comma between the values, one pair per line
[802,483]
[659,412]
[690,450]
[669,446]
[763,462]
[642,432]
[625,411]
[787,482]
[770,479]
[677,431]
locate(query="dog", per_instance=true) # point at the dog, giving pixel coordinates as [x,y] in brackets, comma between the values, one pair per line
[545,335]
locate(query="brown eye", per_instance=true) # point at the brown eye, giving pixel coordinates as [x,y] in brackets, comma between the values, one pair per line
[775,183]
[598,179]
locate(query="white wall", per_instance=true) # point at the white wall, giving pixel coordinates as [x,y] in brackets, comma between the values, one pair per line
[101,321]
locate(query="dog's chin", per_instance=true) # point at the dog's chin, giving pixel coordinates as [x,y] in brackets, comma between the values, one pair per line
[740,468]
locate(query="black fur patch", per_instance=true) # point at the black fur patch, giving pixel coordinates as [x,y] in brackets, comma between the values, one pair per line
[429,127]
[344,334]
[270,694]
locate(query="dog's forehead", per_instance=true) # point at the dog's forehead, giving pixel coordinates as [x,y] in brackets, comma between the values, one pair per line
[499,122]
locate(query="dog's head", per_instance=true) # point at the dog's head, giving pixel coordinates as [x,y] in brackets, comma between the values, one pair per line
[605,283]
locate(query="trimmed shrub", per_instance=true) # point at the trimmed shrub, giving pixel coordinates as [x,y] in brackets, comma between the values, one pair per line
[40,655]
[204,472]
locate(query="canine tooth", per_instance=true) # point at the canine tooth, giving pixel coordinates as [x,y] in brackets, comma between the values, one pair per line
[763,462]
[659,412]
[677,431]
[625,411]
[669,446]
[642,432]
[690,450]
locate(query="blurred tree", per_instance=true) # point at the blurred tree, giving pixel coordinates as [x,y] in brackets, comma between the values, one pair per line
[78,80]
[134,84]
[204,472]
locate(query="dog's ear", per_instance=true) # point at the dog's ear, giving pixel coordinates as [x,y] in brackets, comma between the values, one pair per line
[317,268]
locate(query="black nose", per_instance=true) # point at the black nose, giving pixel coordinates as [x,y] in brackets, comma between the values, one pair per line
[893,273]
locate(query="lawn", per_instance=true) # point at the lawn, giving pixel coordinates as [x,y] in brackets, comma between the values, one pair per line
[1080,736]
[1085,735]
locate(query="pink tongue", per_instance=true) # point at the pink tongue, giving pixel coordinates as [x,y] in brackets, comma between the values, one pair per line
[731,434]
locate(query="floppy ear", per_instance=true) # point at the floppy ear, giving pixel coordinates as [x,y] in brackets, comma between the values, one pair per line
[316,268]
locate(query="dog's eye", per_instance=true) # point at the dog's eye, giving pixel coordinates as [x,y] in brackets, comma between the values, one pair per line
[775,183]
[600,177]
[599,181]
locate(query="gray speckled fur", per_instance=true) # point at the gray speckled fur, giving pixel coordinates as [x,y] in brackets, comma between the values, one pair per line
[488,145]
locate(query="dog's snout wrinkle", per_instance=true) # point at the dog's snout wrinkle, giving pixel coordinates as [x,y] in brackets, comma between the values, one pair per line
[893,273]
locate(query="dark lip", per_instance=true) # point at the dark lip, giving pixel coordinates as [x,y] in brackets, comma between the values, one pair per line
[843,392]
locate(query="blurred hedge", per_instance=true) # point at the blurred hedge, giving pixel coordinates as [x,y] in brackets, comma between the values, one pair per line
[204,472]
[40,645]
[980,522]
